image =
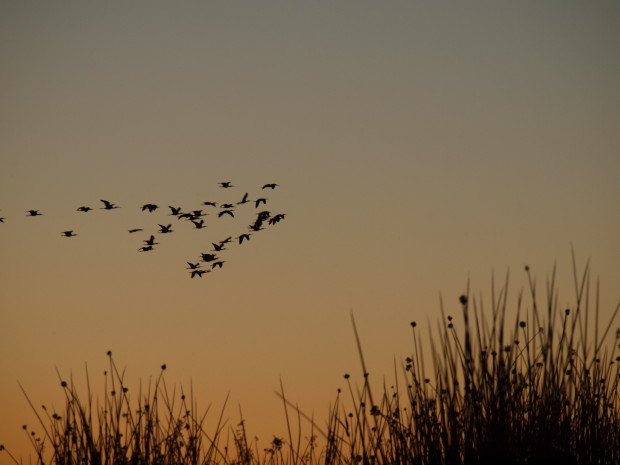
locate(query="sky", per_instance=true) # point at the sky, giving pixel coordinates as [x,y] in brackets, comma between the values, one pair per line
[416,146]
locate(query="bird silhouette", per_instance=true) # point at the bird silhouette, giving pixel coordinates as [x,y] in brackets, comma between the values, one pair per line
[108,205]
[199,224]
[146,248]
[227,240]
[175,210]
[193,266]
[243,200]
[225,212]
[84,209]
[259,201]
[208,257]
[165,229]
[150,241]
[270,186]
[227,205]
[226,184]
[279,217]
[150,207]
[199,273]
[211,204]
[68,234]
[256,226]
[2,219]
[33,213]
[220,263]
[245,236]
[218,247]
[131,231]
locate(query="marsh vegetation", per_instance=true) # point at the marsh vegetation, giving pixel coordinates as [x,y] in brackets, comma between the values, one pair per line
[522,382]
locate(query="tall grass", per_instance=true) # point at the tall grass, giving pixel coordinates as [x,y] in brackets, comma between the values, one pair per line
[527,385]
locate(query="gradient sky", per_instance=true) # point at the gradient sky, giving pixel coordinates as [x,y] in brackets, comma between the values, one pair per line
[416,144]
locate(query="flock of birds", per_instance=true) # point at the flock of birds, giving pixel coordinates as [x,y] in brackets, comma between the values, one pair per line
[207,261]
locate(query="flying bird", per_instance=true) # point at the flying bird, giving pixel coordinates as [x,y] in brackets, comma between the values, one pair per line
[175,210]
[84,209]
[226,184]
[146,248]
[270,186]
[218,247]
[108,205]
[225,212]
[135,230]
[150,207]
[243,200]
[193,266]
[199,273]
[68,234]
[227,240]
[33,213]
[245,236]
[208,257]
[150,241]
[199,224]
[211,204]
[220,263]
[164,229]
[259,201]
[279,217]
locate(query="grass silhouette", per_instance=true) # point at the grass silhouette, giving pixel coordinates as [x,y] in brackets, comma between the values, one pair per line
[536,384]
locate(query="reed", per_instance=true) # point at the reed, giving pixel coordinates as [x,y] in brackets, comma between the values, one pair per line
[530,384]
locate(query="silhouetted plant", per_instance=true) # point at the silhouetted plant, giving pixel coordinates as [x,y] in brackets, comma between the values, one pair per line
[537,384]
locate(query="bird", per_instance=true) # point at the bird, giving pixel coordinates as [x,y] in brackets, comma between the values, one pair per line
[262,216]
[150,207]
[150,241]
[211,204]
[226,184]
[245,236]
[175,210]
[199,224]
[244,199]
[220,263]
[199,273]
[277,218]
[227,240]
[146,248]
[84,209]
[135,230]
[193,266]
[227,205]
[208,257]
[259,201]
[218,247]
[33,213]
[68,234]
[108,205]
[225,212]
[2,219]
[256,226]
[164,229]
[270,186]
